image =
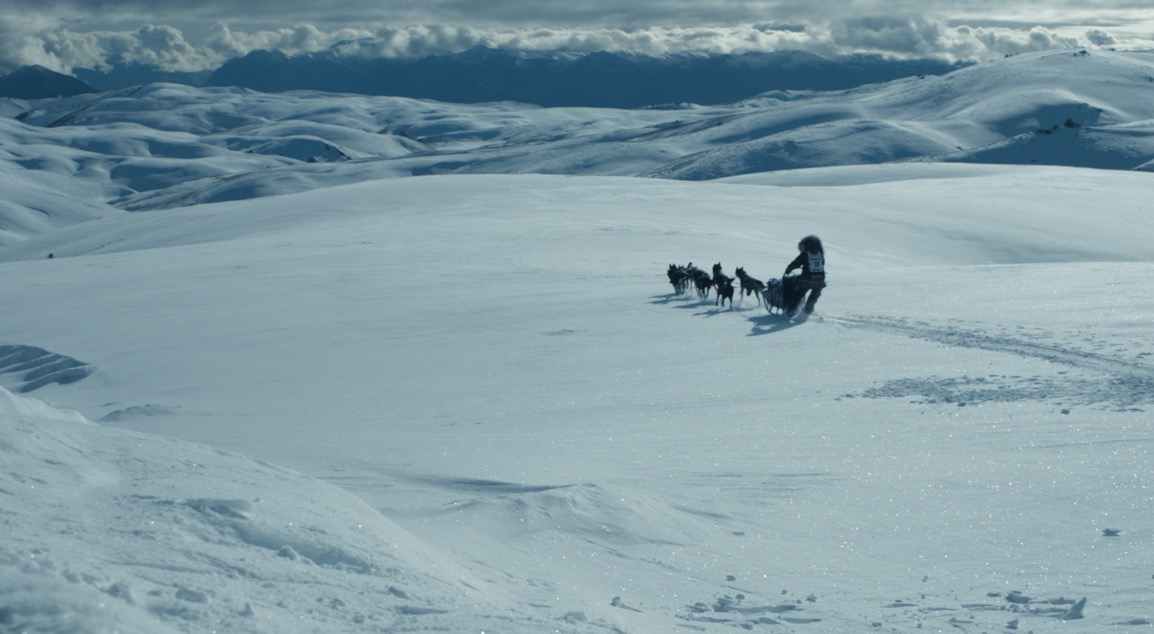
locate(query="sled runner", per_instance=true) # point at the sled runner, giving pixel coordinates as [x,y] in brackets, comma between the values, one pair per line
[778,293]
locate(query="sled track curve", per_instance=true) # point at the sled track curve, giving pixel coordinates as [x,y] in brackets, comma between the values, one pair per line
[1126,383]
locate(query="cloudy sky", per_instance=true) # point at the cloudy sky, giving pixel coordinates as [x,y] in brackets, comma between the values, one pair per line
[189,35]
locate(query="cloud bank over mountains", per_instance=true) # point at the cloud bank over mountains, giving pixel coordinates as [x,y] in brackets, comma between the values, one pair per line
[169,47]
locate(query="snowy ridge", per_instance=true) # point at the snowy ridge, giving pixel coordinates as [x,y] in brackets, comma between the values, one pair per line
[27,368]
[183,546]
[166,145]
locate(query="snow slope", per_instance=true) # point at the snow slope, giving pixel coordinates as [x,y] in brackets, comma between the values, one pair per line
[472,402]
[497,365]
[134,532]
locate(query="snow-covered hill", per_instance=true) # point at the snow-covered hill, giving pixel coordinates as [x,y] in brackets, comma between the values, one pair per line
[1084,109]
[497,366]
[389,394]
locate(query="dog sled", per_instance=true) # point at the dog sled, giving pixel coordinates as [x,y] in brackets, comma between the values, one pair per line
[778,295]
[786,293]
[774,294]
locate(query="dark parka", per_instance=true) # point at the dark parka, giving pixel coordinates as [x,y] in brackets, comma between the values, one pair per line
[811,261]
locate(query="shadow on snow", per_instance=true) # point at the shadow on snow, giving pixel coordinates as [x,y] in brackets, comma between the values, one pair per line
[763,324]
[770,324]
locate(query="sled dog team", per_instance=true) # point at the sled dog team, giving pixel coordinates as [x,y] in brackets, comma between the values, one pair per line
[786,295]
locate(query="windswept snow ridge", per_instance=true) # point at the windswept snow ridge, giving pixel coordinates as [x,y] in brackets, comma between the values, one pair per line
[155,535]
[28,368]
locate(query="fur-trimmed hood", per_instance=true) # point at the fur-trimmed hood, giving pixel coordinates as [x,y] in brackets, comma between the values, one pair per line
[811,243]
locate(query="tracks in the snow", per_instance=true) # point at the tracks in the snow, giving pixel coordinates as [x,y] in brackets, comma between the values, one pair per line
[1100,379]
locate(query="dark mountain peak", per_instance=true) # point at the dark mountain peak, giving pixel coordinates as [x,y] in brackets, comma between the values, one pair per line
[597,79]
[37,82]
[263,70]
[262,56]
[482,54]
[34,70]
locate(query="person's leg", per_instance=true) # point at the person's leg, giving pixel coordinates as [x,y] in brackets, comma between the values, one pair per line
[813,295]
[792,293]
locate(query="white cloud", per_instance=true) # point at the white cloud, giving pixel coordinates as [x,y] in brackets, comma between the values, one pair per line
[21,44]
[160,46]
[1010,42]
[39,32]
[887,34]
[1098,37]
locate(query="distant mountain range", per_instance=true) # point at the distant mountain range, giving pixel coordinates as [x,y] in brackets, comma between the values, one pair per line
[164,145]
[610,80]
[37,82]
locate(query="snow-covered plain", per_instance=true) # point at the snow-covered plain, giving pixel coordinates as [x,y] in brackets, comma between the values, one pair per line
[419,389]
